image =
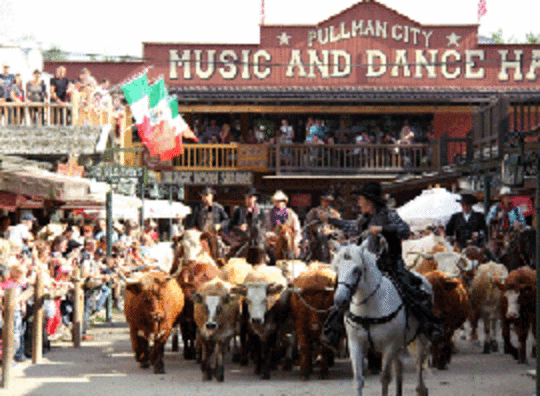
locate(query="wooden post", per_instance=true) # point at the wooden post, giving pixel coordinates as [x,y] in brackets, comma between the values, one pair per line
[78,309]
[37,330]
[8,336]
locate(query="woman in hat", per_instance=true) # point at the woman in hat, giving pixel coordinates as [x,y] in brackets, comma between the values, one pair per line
[466,225]
[281,214]
[505,213]
[376,219]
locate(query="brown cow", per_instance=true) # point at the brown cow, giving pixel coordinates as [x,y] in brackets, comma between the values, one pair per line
[485,299]
[518,307]
[152,305]
[310,305]
[451,304]
[216,314]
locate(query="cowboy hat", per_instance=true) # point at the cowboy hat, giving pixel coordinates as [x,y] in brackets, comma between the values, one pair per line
[327,196]
[208,191]
[505,190]
[371,191]
[119,227]
[467,198]
[252,192]
[280,196]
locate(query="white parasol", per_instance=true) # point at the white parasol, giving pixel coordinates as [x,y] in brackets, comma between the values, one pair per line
[432,207]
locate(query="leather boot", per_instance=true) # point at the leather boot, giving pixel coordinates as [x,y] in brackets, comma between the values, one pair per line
[333,330]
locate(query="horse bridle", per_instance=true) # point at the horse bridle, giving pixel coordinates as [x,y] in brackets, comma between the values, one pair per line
[352,287]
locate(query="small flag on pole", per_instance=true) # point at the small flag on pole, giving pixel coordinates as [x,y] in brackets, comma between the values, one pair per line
[262,12]
[482,9]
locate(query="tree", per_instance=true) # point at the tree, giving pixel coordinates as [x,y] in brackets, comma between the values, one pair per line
[499,38]
[533,38]
[54,54]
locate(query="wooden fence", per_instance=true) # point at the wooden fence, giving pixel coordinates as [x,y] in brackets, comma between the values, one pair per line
[39,293]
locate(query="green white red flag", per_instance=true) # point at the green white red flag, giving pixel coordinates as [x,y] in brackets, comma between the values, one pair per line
[136,93]
[163,128]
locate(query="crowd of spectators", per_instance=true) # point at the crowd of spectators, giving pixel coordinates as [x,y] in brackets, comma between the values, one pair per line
[59,90]
[57,250]
[314,131]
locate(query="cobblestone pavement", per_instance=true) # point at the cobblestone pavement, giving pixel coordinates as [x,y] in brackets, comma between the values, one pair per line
[106,366]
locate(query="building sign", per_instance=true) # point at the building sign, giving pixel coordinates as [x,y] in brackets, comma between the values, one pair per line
[124,180]
[367,44]
[208,178]
[253,157]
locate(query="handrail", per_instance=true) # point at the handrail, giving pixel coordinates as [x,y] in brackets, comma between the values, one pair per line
[208,157]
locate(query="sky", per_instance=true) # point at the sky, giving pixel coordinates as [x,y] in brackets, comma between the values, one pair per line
[113,27]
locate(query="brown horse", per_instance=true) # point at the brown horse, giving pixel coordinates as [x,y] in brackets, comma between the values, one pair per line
[285,245]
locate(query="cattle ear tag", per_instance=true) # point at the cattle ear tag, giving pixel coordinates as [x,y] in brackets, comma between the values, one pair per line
[197,298]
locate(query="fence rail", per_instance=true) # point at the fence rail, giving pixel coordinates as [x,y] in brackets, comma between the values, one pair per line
[208,157]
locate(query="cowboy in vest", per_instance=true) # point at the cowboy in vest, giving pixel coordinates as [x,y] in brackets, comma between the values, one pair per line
[246,223]
[208,216]
[281,214]
[315,237]
[376,219]
[466,225]
[505,214]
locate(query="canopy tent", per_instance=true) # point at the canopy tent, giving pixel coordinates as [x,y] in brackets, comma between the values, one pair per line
[163,209]
[433,206]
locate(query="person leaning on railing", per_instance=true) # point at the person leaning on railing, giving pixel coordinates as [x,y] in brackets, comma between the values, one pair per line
[36,92]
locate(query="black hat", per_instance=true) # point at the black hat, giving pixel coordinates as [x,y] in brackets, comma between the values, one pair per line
[252,191]
[371,191]
[467,198]
[208,191]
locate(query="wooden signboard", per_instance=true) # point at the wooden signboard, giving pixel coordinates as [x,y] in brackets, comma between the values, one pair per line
[253,157]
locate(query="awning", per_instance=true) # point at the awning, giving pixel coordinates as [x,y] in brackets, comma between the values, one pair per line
[12,202]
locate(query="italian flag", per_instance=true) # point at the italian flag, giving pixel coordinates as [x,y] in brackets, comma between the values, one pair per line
[136,93]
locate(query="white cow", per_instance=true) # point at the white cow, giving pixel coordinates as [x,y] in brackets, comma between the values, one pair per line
[412,247]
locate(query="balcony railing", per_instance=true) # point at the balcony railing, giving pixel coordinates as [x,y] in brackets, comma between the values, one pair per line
[344,158]
[208,157]
[52,114]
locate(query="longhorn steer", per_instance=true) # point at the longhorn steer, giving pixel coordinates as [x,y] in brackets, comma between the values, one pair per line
[310,304]
[518,308]
[268,312]
[216,315]
[451,304]
[152,306]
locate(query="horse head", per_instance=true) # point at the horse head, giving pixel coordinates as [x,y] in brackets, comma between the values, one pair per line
[285,242]
[353,264]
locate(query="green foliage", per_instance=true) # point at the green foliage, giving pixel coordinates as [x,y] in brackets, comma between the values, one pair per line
[54,54]
[533,38]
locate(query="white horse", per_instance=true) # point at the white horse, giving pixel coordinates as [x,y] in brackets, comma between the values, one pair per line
[376,317]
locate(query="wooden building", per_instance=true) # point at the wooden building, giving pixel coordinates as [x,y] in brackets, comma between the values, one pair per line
[368,64]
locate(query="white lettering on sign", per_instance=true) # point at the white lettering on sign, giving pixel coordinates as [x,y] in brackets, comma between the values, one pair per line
[337,55]
[368,28]
[183,62]
[321,64]
[446,61]
[296,62]
[401,61]
[265,73]
[245,65]
[470,64]
[421,61]
[210,64]
[535,65]
[376,69]
[506,64]
[229,69]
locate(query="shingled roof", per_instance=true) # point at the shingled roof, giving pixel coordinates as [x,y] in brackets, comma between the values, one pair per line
[343,95]
[48,140]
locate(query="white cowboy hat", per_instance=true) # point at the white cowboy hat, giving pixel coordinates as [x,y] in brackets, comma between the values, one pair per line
[280,196]
[505,190]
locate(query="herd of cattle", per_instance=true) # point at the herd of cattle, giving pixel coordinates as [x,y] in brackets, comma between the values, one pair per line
[273,315]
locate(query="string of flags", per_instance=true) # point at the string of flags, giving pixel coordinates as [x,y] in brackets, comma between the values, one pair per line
[161,128]
[482,9]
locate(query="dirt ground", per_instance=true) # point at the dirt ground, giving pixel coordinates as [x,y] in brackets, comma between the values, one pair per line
[106,366]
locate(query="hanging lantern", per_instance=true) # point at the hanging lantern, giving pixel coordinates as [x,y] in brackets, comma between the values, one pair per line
[513,170]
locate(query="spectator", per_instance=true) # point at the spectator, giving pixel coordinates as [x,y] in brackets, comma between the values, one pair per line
[87,80]
[250,137]
[406,135]
[17,90]
[3,93]
[35,88]
[211,133]
[287,131]
[59,86]
[343,133]
[7,80]
[225,134]
[21,233]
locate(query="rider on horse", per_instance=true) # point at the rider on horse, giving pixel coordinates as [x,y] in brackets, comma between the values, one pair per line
[467,225]
[210,217]
[505,213]
[281,214]
[377,220]
[317,232]
[246,223]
